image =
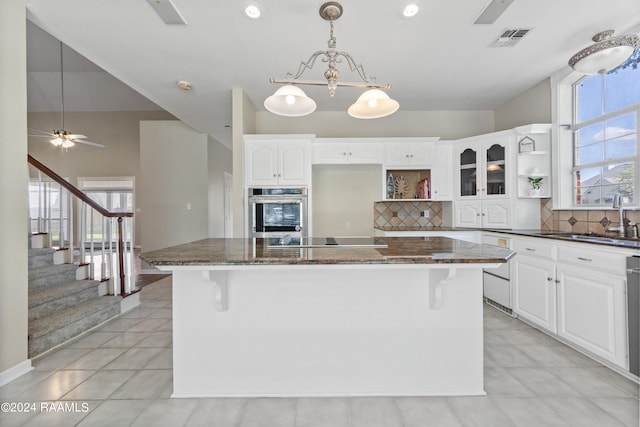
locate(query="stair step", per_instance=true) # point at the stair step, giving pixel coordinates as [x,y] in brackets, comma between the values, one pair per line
[51,299]
[41,277]
[39,257]
[54,329]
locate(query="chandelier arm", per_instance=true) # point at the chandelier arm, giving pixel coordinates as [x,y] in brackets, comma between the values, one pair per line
[358,68]
[324,83]
[308,65]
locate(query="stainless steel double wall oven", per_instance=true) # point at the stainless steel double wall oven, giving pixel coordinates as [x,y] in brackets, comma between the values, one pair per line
[275,212]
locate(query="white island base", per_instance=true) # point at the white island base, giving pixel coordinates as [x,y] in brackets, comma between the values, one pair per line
[330,330]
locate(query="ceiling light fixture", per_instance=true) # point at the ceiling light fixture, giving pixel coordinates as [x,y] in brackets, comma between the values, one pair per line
[291,101]
[605,54]
[253,11]
[410,10]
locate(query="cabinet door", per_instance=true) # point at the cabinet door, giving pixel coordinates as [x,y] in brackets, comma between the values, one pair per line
[494,167]
[496,213]
[468,213]
[591,312]
[469,178]
[420,153]
[293,161]
[330,153]
[534,291]
[364,153]
[261,163]
[442,173]
[396,154]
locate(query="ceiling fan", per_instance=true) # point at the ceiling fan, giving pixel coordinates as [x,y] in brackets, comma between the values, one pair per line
[60,137]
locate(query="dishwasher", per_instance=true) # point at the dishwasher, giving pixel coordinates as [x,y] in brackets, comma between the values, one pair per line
[497,281]
[633,312]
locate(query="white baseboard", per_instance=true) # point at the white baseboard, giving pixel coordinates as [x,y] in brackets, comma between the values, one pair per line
[129,302]
[14,372]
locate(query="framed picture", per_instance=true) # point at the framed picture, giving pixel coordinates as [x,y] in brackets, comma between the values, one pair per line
[526,145]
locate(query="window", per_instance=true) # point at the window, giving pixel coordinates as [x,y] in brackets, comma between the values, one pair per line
[115,194]
[606,112]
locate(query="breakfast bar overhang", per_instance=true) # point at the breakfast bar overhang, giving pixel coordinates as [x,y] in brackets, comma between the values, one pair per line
[403,318]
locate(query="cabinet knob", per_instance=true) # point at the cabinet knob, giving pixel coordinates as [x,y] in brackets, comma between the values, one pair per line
[275,175]
[483,214]
[477,214]
[549,279]
[411,156]
[279,175]
[350,153]
[344,154]
[557,281]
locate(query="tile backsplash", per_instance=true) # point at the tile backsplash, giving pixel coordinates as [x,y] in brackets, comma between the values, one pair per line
[582,221]
[407,214]
[410,214]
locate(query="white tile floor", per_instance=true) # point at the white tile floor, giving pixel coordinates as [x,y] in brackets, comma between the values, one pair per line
[120,375]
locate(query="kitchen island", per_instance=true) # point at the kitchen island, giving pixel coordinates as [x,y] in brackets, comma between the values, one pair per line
[394,317]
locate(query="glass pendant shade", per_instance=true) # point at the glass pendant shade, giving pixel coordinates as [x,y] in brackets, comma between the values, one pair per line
[290,101]
[373,104]
[606,54]
[604,60]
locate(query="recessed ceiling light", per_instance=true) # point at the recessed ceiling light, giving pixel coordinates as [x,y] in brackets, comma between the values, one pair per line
[410,10]
[253,11]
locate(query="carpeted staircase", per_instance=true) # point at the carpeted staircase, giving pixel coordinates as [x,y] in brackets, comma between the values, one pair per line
[60,306]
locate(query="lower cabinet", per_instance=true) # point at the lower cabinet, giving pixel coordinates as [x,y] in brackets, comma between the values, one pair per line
[591,311]
[584,305]
[535,291]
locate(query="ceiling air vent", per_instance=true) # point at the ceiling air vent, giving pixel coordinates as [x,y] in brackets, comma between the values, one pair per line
[510,37]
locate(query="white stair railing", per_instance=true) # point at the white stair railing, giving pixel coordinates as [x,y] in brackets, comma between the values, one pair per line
[105,239]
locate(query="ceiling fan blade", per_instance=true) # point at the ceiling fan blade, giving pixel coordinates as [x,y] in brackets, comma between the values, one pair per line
[75,136]
[41,131]
[95,144]
[41,136]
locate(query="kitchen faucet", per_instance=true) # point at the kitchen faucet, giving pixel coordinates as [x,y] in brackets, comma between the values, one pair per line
[617,204]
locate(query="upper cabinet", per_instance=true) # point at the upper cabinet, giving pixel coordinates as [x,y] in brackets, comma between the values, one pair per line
[346,151]
[442,172]
[419,153]
[484,167]
[277,160]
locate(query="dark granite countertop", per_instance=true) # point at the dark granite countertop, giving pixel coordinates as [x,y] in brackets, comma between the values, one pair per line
[608,240]
[399,250]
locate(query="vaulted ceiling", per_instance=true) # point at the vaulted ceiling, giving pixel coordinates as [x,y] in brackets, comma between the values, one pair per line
[436,60]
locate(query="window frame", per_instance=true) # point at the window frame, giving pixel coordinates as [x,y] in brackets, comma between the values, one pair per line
[564,115]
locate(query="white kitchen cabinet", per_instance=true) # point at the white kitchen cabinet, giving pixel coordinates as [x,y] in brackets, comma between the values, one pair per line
[347,153]
[483,213]
[591,311]
[484,166]
[277,160]
[399,154]
[442,172]
[573,290]
[535,290]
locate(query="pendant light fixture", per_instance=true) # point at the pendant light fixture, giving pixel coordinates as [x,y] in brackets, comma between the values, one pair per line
[605,54]
[291,101]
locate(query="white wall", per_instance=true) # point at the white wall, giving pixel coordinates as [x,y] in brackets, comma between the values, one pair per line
[243,122]
[118,130]
[173,174]
[13,194]
[220,161]
[343,199]
[445,124]
[531,106]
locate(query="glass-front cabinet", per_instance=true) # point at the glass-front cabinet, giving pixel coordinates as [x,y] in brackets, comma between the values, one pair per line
[483,169]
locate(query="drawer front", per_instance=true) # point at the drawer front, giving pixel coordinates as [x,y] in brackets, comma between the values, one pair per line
[586,256]
[535,247]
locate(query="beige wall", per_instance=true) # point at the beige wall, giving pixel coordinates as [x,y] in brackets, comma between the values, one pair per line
[220,161]
[13,195]
[531,106]
[243,122]
[342,199]
[173,175]
[118,130]
[445,124]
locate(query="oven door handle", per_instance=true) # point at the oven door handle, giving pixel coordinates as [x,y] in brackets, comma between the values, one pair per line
[278,200]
